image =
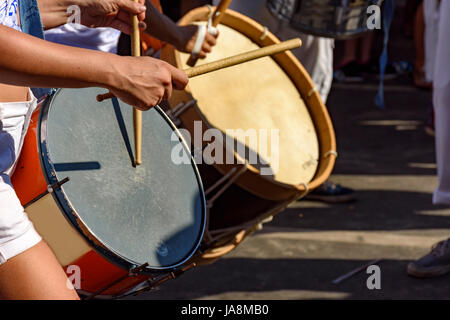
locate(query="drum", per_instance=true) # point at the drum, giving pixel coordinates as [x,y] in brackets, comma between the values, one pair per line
[272,94]
[119,224]
[339,19]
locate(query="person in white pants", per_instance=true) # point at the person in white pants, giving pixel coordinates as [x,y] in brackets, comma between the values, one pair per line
[437,262]
[316,55]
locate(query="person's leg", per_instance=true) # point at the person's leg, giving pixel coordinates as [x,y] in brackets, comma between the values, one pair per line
[28,268]
[419,43]
[437,262]
[35,274]
[350,52]
[366,44]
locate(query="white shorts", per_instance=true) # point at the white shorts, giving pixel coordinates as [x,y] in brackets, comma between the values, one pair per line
[17,233]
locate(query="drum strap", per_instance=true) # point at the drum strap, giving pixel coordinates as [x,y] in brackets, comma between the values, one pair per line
[388,15]
[30,22]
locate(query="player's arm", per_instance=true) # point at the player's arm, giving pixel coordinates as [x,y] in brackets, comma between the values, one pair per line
[182,38]
[93,13]
[31,62]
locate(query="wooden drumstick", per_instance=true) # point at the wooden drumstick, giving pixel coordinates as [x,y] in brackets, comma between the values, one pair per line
[217,17]
[137,114]
[231,61]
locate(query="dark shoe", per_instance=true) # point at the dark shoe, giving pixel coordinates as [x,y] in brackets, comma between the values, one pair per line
[350,73]
[436,263]
[331,193]
[393,69]
[429,127]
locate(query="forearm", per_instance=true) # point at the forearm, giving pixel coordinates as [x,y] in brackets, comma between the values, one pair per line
[32,62]
[54,12]
[160,26]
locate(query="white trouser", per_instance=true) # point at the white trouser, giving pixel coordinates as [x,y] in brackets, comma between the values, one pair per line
[441,100]
[316,53]
[17,233]
[431,16]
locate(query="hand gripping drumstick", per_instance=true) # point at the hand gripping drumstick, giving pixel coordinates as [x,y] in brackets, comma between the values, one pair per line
[231,61]
[137,114]
[217,17]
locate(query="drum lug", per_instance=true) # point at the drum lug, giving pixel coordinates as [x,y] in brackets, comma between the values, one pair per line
[175,113]
[50,189]
[132,272]
[152,283]
[231,176]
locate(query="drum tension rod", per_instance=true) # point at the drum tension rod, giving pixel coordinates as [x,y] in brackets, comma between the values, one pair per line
[50,189]
[152,283]
[131,273]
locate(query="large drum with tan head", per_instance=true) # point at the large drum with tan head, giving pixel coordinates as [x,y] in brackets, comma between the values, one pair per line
[261,135]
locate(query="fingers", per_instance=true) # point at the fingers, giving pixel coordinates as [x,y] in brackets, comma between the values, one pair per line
[133,7]
[179,77]
[121,26]
[122,22]
[211,40]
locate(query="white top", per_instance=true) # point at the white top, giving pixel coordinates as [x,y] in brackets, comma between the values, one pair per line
[8,14]
[77,35]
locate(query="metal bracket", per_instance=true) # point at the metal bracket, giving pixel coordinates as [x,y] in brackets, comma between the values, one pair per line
[179,110]
[136,270]
[50,189]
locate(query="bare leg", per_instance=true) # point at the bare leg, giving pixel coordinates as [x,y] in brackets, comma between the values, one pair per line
[350,48]
[35,274]
[419,37]
[366,43]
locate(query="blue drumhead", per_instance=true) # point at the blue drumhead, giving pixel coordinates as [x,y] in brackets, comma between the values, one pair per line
[153,213]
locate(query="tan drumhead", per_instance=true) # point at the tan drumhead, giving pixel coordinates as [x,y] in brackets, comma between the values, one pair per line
[258,95]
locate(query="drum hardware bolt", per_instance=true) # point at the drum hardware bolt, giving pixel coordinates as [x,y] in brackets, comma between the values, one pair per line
[265,32]
[305,185]
[134,271]
[178,110]
[329,153]
[50,189]
[231,176]
[311,92]
[184,107]
[153,283]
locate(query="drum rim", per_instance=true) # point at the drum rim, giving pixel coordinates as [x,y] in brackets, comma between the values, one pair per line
[77,222]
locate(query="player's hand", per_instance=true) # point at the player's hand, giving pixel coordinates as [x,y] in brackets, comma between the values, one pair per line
[111,13]
[143,81]
[188,36]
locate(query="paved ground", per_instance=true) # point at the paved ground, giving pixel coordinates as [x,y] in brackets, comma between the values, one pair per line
[389,160]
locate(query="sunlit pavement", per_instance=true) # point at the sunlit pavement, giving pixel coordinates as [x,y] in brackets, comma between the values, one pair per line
[388,159]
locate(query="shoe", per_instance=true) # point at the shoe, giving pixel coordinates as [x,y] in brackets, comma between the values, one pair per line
[392,71]
[429,127]
[434,264]
[350,73]
[331,193]
[419,79]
